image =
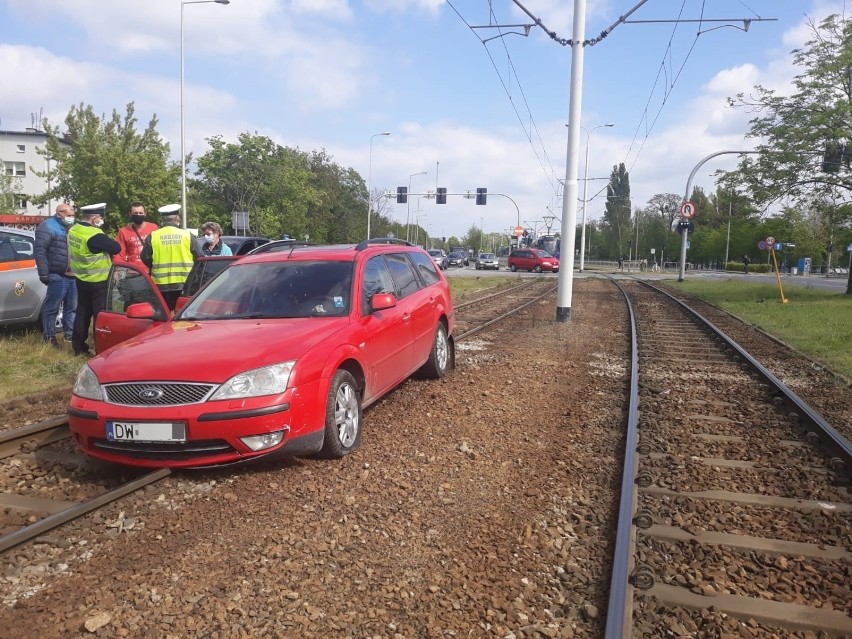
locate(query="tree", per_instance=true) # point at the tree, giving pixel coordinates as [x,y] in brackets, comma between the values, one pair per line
[108,160]
[617,216]
[806,137]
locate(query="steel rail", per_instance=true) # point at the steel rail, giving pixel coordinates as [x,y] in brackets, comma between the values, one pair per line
[473,331]
[488,297]
[50,522]
[32,429]
[619,618]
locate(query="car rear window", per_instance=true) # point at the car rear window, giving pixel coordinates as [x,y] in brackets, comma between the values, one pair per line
[403,275]
[426,267]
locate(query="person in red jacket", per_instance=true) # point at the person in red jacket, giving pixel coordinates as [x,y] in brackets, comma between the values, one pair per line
[132,236]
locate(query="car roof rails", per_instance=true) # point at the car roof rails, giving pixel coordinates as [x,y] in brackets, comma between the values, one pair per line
[382,240]
[278,245]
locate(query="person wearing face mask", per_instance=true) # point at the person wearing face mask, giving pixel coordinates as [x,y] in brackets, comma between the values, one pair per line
[90,251]
[132,236]
[212,241]
[54,271]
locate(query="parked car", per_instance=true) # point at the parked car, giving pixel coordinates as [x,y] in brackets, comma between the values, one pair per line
[486,261]
[277,354]
[530,259]
[440,258]
[21,292]
[455,259]
[461,251]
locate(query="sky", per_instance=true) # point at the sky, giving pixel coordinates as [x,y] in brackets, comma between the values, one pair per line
[465,105]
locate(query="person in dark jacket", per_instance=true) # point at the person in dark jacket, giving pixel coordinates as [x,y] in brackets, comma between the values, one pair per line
[54,271]
[91,251]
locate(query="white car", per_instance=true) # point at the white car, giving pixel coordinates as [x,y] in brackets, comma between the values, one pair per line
[21,292]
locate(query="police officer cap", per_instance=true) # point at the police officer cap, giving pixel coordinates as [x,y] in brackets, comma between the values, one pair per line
[93,209]
[169,209]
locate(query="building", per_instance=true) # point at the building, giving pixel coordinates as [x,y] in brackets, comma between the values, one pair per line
[20,160]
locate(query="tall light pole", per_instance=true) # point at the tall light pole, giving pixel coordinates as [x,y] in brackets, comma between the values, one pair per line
[182,136]
[408,203]
[370,179]
[585,190]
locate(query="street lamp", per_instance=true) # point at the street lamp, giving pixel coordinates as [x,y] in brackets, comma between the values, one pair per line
[408,202]
[585,189]
[370,179]
[182,137]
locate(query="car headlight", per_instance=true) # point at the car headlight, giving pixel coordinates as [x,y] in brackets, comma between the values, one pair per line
[269,380]
[87,385]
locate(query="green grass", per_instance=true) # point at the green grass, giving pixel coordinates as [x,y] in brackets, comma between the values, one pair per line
[814,322]
[462,287]
[29,365]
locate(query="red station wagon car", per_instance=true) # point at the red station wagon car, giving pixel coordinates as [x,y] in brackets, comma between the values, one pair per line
[277,354]
[530,259]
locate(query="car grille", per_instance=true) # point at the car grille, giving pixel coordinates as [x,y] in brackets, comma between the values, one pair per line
[166,450]
[157,393]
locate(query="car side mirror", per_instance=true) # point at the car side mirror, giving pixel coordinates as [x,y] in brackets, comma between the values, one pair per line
[142,310]
[381,301]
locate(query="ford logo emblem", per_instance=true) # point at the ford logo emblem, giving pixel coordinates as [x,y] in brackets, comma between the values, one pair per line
[150,393]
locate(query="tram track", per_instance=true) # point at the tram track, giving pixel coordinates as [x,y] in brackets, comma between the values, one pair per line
[735,496]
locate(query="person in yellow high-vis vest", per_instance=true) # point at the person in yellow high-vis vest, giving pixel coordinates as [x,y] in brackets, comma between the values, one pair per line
[170,252]
[90,252]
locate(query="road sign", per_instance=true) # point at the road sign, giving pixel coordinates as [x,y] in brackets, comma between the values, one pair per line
[653,250]
[762,245]
[849,249]
[770,241]
[687,209]
[779,246]
[519,230]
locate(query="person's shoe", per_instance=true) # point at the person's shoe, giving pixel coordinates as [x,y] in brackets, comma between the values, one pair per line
[54,343]
[68,337]
[85,353]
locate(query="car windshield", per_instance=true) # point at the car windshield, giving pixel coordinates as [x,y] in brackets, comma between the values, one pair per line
[544,254]
[281,289]
[455,256]
[435,252]
[486,256]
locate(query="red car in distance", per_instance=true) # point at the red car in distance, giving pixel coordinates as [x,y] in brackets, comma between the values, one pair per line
[278,354]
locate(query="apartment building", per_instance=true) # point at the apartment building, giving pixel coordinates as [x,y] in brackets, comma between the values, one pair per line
[19,160]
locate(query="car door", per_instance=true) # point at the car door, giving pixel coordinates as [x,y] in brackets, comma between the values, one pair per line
[129,284]
[21,292]
[424,318]
[386,345]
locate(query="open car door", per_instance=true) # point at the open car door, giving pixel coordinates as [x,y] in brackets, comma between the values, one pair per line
[203,270]
[129,286]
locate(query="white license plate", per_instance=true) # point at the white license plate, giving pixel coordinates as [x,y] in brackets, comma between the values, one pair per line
[146,432]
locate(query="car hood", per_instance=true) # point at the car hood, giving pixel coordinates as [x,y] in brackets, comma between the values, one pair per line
[212,350]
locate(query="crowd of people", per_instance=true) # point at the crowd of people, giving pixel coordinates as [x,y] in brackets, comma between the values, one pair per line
[73,256]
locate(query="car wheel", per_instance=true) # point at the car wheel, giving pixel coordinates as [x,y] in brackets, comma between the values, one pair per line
[342,417]
[537,268]
[513,268]
[440,357]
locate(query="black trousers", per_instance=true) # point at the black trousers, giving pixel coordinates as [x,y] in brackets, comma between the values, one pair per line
[91,300]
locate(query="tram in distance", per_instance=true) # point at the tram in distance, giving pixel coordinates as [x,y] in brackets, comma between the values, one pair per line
[549,243]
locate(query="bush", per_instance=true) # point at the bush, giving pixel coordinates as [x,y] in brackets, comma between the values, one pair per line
[739,267]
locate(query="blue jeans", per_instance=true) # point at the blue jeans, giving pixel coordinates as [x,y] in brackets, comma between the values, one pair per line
[61,289]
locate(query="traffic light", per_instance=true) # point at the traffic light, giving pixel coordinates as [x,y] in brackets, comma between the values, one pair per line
[443,239]
[441,196]
[401,194]
[480,195]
